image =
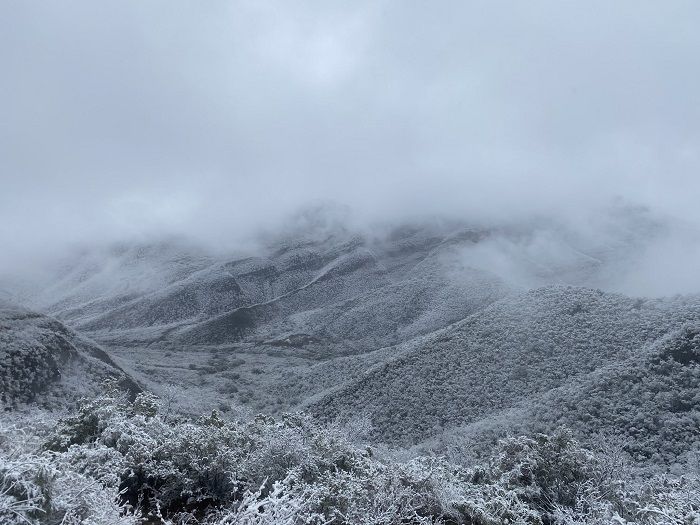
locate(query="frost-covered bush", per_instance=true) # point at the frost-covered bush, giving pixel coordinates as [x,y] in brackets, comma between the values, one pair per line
[526,480]
[114,460]
[544,471]
[657,501]
[38,486]
[281,505]
[193,466]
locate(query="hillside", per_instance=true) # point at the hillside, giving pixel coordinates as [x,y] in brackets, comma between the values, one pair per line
[357,299]
[646,405]
[425,330]
[43,361]
[501,357]
[324,281]
[319,286]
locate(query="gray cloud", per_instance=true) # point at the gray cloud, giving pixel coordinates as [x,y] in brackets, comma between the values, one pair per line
[212,119]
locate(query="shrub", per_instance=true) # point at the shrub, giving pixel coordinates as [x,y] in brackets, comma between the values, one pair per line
[114,457]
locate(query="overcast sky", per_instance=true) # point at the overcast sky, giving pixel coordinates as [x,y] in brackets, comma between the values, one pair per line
[123,118]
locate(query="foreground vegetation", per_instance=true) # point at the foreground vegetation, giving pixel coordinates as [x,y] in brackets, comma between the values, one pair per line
[120,462]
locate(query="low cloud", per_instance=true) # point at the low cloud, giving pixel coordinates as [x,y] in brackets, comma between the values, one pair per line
[129,120]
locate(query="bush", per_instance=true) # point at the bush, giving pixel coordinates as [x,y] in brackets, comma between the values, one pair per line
[114,461]
[38,486]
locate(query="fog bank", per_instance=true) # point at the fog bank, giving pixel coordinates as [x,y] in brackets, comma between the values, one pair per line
[131,120]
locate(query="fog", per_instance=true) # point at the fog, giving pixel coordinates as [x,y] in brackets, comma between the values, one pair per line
[131,120]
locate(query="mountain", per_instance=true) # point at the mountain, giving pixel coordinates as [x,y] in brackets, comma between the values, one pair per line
[503,356]
[327,282]
[646,405]
[434,332]
[359,297]
[43,361]
[97,282]
[410,281]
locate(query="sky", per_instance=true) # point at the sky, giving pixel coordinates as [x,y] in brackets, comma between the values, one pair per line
[212,119]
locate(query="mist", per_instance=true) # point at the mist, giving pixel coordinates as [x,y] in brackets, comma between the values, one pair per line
[131,120]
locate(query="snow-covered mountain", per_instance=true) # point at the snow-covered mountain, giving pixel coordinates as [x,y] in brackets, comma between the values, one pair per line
[43,361]
[424,329]
[549,341]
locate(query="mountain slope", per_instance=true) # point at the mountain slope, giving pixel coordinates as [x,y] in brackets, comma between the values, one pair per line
[317,312]
[647,405]
[517,348]
[327,282]
[650,401]
[333,288]
[42,360]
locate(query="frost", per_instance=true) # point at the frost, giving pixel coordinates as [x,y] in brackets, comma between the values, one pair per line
[118,462]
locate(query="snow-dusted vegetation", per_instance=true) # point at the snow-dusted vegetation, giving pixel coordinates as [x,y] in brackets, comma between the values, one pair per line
[115,461]
[509,354]
[432,393]
[41,360]
[349,263]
